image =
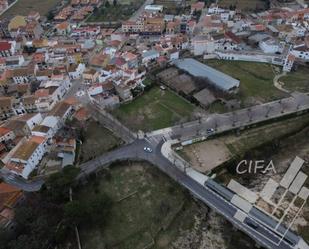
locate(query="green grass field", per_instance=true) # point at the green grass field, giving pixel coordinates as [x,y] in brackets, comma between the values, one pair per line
[153,110]
[145,202]
[244,4]
[298,80]
[256,80]
[98,140]
[23,7]
[122,11]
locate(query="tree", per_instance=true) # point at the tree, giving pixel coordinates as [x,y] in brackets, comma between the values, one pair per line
[24,216]
[50,15]
[75,213]
[107,4]
[100,207]
[4,238]
[57,185]
[115,2]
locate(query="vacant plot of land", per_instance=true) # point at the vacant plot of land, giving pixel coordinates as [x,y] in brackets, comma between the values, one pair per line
[244,4]
[110,13]
[256,80]
[23,7]
[98,140]
[216,154]
[297,81]
[145,202]
[217,107]
[155,109]
[209,154]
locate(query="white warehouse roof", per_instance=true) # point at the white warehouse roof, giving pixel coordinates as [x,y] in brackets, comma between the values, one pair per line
[198,69]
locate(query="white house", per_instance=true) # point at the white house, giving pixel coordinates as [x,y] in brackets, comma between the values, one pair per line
[51,93]
[105,75]
[76,72]
[6,134]
[250,56]
[62,110]
[31,120]
[301,52]
[7,48]
[14,61]
[215,9]
[271,46]
[95,90]
[203,44]
[26,155]
[47,128]
[150,55]
[22,75]
[154,8]
[52,122]
[174,55]
[288,63]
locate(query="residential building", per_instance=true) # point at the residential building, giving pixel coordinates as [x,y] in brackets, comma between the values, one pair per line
[6,108]
[10,197]
[6,134]
[27,154]
[150,55]
[301,52]
[288,63]
[7,48]
[47,128]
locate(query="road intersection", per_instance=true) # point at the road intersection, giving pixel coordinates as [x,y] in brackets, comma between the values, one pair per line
[163,157]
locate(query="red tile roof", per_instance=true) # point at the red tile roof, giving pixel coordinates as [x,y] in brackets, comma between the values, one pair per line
[5,46]
[4,130]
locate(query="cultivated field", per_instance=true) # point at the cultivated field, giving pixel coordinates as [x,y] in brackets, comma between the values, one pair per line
[23,7]
[155,109]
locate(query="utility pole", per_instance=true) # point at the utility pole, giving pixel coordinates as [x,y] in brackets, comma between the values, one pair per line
[268,109]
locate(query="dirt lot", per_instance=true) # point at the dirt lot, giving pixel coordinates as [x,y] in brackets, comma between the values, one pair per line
[98,140]
[217,153]
[282,152]
[222,149]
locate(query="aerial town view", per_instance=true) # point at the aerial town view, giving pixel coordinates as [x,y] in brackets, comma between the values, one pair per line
[154,124]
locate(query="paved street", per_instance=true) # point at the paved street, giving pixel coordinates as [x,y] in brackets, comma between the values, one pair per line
[237,119]
[173,166]
[140,10]
[134,151]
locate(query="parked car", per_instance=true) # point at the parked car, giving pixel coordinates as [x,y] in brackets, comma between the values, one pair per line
[210,131]
[147,149]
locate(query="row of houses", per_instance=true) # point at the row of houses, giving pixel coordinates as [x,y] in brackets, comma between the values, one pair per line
[35,135]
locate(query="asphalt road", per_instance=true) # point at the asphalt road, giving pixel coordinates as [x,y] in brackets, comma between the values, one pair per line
[237,119]
[135,151]
[223,122]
